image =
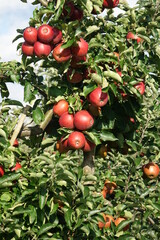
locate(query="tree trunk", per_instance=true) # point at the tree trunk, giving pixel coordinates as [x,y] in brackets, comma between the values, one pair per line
[88,162]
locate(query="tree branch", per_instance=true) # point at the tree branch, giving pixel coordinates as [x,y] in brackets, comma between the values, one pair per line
[19,125]
[88,162]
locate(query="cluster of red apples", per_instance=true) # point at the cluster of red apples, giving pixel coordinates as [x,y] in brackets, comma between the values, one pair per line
[42,41]
[78,122]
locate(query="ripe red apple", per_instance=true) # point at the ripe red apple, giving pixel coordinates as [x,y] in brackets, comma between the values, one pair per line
[62,145]
[15,144]
[67,120]
[61,54]
[45,33]
[77,14]
[18,166]
[140,87]
[68,9]
[1,171]
[139,39]
[30,35]
[131,35]
[83,120]
[151,170]
[42,49]
[76,140]
[74,76]
[57,37]
[80,49]
[76,61]
[60,107]
[94,110]
[110,3]
[88,146]
[119,72]
[98,98]
[27,49]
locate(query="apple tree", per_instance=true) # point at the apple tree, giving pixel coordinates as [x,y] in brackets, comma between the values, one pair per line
[79,159]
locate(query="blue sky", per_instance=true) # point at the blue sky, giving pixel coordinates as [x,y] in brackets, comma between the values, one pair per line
[15,14]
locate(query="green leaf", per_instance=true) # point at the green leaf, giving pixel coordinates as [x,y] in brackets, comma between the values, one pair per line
[46,227]
[107,136]
[2,133]
[123,224]
[38,115]
[8,178]
[92,29]
[12,102]
[6,197]
[28,92]
[113,75]
[68,217]
[89,88]
[42,196]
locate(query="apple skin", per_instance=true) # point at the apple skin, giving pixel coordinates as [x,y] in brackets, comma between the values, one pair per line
[76,61]
[131,35]
[67,120]
[1,171]
[110,3]
[30,35]
[15,144]
[88,146]
[140,87]
[74,76]
[119,220]
[27,49]
[60,107]
[83,120]
[62,145]
[68,9]
[45,33]
[57,37]
[17,166]
[42,49]
[94,110]
[107,219]
[151,170]
[80,49]
[119,72]
[139,40]
[98,98]
[77,14]
[61,54]
[76,140]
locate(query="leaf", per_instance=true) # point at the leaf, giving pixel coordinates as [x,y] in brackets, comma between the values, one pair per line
[38,115]
[28,89]
[6,197]
[107,136]
[12,102]
[113,75]
[123,224]
[68,44]
[2,133]
[46,227]
[89,88]
[42,196]
[68,217]
[8,178]
[92,29]
[93,137]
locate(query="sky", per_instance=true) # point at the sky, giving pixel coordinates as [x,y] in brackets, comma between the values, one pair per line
[15,14]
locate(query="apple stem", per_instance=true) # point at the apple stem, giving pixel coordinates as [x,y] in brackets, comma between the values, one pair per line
[88,162]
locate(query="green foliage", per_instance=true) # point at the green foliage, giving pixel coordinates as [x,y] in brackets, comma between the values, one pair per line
[50,197]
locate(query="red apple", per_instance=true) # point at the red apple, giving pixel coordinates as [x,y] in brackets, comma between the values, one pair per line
[83,120]
[30,35]
[94,110]
[80,49]
[68,9]
[62,145]
[119,220]
[119,72]
[27,49]
[60,107]
[98,98]
[45,33]
[132,120]
[88,146]
[130,35]
[15,144]
[76,140]
[77,14]
[67,120]
[57,37]
[151,170]
[76,61]
[1,171]
[42,49]
[140,87]
[74,76]
[18,166]
[61,54]
[139,40]
[110,3]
